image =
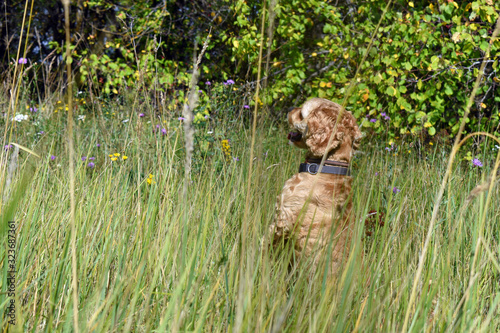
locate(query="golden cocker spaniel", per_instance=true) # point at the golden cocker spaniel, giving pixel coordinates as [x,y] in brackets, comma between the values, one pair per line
[313,209]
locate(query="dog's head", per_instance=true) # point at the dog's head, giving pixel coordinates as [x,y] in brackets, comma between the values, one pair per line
[313,124]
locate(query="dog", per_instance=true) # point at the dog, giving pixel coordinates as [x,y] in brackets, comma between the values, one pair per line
[313,209]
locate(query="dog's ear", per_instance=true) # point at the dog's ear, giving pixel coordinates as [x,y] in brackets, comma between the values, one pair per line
[320,124]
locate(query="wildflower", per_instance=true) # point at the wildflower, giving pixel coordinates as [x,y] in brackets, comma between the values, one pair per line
[226,149]
[373,120]
[141,115]
[209,132]
[431,144]
[208,83]
[114,159]
[388,148]
[91,158]
[124,157]
[81,117]
[52,157]
[150,180]
[41,132]
[91,165]
[23,61]
[20,117]
[383,114]
[236,159]
[7,147]
[229,82]
[395,190]
[33,110]
[98,145]
[181,118]
[206,116]
[116,154]
[84,158]
[376,173]
[125,121]
[477,162]
[246,106]
[163,131]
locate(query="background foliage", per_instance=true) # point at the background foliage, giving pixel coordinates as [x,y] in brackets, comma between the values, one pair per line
[415,79]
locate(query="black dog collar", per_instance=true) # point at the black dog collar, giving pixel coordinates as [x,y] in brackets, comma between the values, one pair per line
[313,168]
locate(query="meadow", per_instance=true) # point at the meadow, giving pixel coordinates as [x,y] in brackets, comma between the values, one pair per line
[153,258]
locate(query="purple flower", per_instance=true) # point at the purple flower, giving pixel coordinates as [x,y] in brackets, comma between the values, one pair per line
[98,145]
[387,117]
[84,158]
[41,132]
[477,162]
[376,173]
[236,159]
[163,131]
[383,114]
[229,82]
[91,158]
[141,115]
[33,109]
[52,157]
[246,106]
[206,116]
[388,149]
[208,83]
[200,91]
[23,61]
[157,126]
[7,147]
[395,190]
[91,165]
[373,120]
[181,118]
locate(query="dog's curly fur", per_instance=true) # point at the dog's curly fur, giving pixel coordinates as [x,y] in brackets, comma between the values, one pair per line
[327,212]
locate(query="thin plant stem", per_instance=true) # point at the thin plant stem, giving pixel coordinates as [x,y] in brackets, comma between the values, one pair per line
[74,271]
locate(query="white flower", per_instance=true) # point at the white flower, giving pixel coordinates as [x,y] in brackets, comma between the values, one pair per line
[81,117]
[20,117]
[125,121]
[209,132]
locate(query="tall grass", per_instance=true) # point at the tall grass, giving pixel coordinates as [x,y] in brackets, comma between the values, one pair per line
[130,239]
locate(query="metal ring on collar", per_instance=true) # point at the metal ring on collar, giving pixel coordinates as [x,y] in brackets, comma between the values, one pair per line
[315,171]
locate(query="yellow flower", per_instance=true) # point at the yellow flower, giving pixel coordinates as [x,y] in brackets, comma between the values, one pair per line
[116,154]
[431,144]
[113,159]
[124,157]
